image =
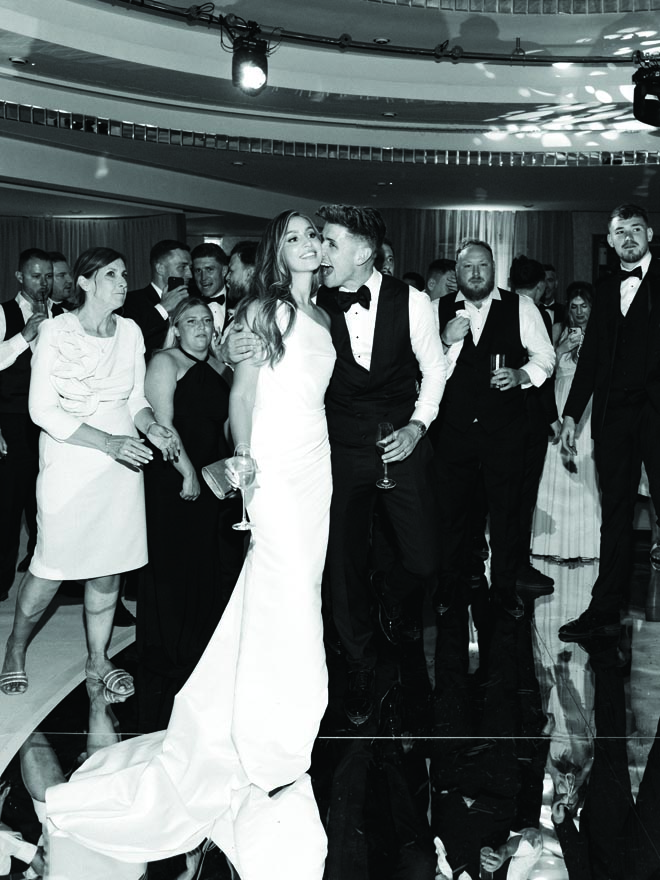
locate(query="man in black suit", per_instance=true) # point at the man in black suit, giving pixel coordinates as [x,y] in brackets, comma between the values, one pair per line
[151,306]
[19,324]
[484,422]
[619,365]
[384,335]
[210,264]
[555,310]
[527,278]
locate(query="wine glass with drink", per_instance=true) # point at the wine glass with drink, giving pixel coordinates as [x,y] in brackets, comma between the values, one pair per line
[385,431]
[244,470]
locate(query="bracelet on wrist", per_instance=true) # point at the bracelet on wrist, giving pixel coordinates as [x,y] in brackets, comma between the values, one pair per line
[150,426]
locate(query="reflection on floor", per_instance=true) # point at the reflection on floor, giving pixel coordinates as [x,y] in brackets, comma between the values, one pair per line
[424,761]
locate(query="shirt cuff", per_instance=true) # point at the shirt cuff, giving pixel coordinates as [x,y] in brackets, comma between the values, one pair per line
[537,375]
[423,413]
[162,311]
[17,344]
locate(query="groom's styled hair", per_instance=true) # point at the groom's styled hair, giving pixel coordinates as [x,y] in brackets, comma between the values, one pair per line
[365,223]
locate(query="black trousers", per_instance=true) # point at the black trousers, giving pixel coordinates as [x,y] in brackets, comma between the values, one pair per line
[623,837]
[630,436]
[459,459]
[410,509]
[18,478]
[536,447]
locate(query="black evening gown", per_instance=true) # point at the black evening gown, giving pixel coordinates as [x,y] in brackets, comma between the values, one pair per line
[179,596]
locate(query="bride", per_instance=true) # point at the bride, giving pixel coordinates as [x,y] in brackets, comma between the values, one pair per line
[232,764]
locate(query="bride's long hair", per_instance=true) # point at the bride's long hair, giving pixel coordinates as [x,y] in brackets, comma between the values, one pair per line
[271,285]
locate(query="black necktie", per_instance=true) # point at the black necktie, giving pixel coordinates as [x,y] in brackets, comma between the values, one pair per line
[348,298]
[636,273]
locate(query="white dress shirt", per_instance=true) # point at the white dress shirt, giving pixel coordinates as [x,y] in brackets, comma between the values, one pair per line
[424,339]
[533,336]
[11,349]
[630,286]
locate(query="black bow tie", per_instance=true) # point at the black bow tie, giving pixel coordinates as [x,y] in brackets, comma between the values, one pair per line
[636,273]
[348,298]
[220,300]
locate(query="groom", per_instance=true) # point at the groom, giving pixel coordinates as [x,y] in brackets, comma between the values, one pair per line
[385,337]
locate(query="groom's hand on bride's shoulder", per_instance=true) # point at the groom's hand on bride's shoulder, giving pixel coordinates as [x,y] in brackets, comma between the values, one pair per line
[238,344]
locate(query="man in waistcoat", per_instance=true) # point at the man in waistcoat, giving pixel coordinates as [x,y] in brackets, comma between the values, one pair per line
[483,421]
[385,336]
[619,365]
[19,323]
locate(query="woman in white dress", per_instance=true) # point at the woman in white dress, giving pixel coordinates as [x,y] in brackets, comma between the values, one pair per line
[232,764]
[566,524]
[86,393]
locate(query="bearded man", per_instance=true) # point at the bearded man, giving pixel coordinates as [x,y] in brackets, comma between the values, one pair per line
[483,420]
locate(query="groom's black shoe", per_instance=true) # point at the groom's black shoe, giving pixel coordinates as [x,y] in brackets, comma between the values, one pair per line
[589,624]
[359,699]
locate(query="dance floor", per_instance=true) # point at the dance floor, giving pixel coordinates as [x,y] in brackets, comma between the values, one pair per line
[55,666]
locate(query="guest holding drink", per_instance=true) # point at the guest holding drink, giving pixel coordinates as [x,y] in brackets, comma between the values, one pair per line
[87,395]
[385,336]
[179,602]
[483,428]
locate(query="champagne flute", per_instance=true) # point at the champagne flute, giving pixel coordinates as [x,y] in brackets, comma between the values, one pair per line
[244,468]
[385,431]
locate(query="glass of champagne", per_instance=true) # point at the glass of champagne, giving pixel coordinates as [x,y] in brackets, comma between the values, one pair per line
[244,468]
[385,431]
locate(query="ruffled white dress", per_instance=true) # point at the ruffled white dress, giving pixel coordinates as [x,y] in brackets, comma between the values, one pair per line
[90,508]
[244,724]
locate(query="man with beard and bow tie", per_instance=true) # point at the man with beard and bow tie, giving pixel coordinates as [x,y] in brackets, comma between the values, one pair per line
[619,365]
[385,337]
[483,422]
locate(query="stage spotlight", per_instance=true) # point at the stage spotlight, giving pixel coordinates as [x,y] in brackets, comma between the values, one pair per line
[249,67]
[646,97]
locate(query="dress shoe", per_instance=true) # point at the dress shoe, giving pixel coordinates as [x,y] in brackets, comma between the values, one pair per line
[24,564]
[390,617]
[589,624]
[534,582]
[359,699]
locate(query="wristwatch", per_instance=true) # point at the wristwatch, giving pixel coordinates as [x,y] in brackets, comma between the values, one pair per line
[421,427]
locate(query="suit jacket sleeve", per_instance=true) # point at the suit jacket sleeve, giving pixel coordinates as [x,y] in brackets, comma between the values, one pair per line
[153,325]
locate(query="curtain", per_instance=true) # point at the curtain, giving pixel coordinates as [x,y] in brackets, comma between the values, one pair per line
[547,236]
[131,236]
[420,236]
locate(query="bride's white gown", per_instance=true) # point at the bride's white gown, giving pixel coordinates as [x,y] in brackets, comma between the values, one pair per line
[245,722]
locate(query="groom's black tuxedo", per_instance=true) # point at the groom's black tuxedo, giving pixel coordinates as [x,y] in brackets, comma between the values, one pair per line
[356,401]
[619,365]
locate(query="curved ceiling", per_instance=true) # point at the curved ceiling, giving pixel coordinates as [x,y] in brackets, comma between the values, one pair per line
[136,108]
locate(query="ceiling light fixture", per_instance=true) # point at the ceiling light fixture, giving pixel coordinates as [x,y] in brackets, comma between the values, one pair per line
[646,97]
[249,65]
[250,51]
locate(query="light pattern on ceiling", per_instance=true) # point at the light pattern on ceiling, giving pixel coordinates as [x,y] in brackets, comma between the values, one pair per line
[529,7]
[104,127]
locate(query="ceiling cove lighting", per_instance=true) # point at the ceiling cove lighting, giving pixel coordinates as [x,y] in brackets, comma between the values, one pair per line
[646,97]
